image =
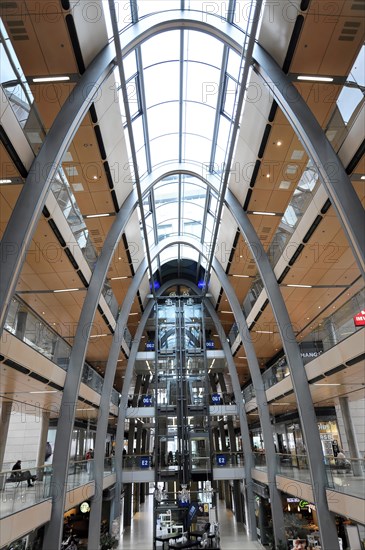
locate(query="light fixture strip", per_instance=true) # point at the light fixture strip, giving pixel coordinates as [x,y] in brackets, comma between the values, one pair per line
[65,290]
[51,79]
[314,78]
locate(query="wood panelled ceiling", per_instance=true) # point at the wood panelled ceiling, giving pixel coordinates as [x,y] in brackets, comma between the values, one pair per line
[326,259]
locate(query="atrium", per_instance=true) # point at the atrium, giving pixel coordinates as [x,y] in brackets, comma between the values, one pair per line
[182,296]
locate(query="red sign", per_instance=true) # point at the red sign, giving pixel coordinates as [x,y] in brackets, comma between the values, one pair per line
[359,319]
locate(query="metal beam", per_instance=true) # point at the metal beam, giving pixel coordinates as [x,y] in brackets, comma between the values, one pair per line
[24,218]
[245,433]
[332,174]
[104,406]
[22,224]
[303,396]
[53,530]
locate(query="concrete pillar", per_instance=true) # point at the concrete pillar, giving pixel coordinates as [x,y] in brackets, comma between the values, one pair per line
[42,443]
[238,501]
[351,436]
[5,413]
[127,509]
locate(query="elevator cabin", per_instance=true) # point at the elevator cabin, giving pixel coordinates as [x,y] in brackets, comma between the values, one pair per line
[182,438]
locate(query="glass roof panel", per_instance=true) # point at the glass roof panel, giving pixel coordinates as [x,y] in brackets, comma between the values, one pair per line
[167,76]
[162,47]
[164,149]
[199,46]
[199,119]
[223,135]
[130,65]
[202,83]
[145,7]
[196,149]
[123,14]
[189,253]
[163,119]
[170,253]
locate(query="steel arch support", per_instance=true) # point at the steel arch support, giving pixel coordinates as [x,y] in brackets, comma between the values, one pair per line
[262,406]
[22,223]
[297,371]
[245,434]
[102,425]
[123,406]
[277,512]
[339,188]
[53,530]
[24,218]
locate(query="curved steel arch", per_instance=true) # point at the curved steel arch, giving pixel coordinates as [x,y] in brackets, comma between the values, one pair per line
[250,512]
[277,513]
[80,344]
[22,223]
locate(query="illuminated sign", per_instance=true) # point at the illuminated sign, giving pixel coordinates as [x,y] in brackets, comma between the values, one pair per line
[216,398]
[84,507]
[221,460]
[359,319]
[145,462]
[147,400]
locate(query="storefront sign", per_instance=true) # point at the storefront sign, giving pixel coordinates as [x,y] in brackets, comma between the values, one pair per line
[359,319]
[209,344]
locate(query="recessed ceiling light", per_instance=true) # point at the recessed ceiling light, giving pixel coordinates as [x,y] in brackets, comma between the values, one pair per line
[97,215]
[117,278]
[284,184]
[242,276]
[227,312]
[133,314]
[264,331]
[325,384]
[44,391]
[66,290]
[95,177]
[278,143]
[97,335]
[5,181]
[267,175]
[315,78]
[51,79]
[264,213]
[362,178]
[301,286]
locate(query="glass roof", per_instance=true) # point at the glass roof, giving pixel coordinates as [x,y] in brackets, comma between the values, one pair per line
[182,88]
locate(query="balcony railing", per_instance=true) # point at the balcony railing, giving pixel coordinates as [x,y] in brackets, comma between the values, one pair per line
[31,329]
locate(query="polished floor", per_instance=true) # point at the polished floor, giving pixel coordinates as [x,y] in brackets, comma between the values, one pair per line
[139,536]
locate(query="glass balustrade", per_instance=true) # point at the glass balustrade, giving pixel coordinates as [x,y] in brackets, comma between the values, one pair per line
[15,492]
[31,329]
[17,495]
[330,332]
